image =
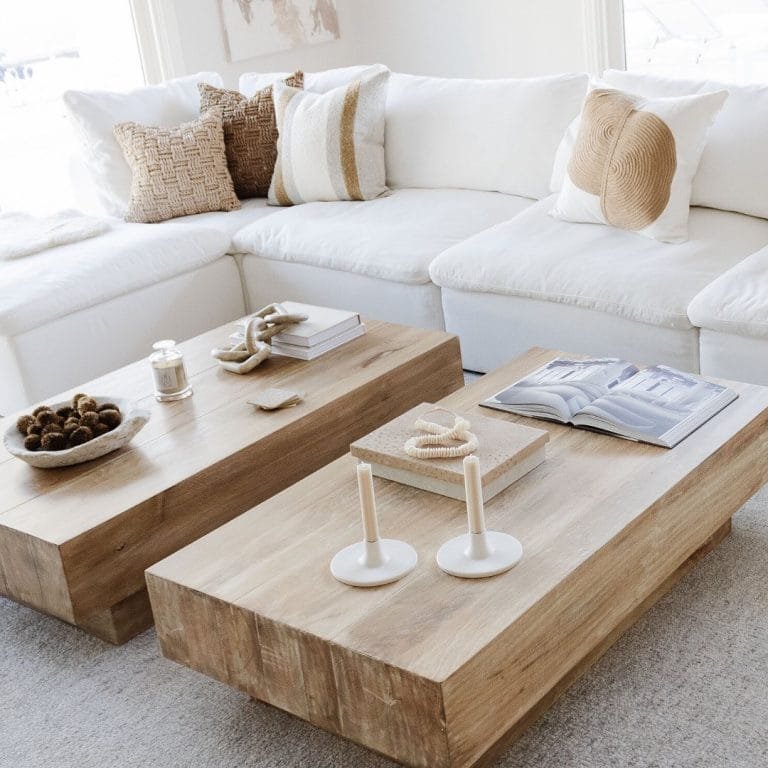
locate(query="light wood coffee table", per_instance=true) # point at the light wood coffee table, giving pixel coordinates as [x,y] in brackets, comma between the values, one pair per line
[437,671]
[74,542]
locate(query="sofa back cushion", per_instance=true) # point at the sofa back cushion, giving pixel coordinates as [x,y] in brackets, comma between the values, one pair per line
[95,113]
[317,82]
[494,135]
[734,164]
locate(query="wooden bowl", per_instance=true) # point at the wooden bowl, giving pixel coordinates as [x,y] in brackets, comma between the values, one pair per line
[133,421]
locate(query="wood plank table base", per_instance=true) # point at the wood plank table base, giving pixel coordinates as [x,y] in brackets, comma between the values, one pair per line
[74,542]
[436,671]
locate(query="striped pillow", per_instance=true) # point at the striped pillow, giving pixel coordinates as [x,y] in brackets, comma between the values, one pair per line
[330,145]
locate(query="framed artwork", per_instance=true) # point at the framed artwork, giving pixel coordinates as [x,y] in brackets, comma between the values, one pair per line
[256,27]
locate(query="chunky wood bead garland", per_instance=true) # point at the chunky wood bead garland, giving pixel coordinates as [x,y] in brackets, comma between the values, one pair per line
[439,442]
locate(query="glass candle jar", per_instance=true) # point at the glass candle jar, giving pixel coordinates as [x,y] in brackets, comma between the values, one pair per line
[167,362]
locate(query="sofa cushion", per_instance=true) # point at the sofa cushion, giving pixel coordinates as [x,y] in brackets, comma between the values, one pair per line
[729,177]
[330,145]
[494,135]
[392,238]
[227,222]
[56,282]
[94,114]
[250,134]
[737,302]
[177,171]
[317,82]
[633,161]
[600,268]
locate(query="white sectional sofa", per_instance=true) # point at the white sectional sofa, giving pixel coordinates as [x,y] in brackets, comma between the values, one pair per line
[463,242]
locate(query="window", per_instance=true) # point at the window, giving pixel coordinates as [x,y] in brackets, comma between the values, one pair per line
[718,39]
[47,47]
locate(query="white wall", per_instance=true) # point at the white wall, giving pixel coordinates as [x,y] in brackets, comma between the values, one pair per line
[453,38]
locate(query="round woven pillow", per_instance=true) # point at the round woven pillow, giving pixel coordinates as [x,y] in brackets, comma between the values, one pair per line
[626,156]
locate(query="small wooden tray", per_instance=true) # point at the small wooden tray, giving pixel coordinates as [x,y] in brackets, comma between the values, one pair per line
[507,451]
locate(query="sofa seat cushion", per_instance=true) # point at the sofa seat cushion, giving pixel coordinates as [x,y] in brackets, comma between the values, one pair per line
[53,283]
[391,238]
[737,302]
[601,268]
[227,222]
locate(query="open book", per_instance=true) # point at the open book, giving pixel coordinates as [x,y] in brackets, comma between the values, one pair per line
[656,405]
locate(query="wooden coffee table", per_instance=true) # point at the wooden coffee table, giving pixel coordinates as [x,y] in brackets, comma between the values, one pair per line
[437,671]
[74,542]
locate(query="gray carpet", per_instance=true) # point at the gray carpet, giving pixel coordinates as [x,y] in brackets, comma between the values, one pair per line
[687,686]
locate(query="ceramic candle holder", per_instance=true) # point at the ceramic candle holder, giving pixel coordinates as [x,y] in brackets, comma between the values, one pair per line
[479,552]
[373,561]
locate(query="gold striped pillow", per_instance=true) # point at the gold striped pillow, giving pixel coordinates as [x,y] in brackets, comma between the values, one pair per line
[330,145]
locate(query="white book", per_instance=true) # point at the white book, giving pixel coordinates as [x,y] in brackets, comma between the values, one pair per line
[310,353]
[324,323]
[657,405]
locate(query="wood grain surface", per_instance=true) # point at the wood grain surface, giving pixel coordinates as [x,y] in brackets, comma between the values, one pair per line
[433,670]
[74,542]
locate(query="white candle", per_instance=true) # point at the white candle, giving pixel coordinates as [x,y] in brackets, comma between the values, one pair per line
[367,502]
[473,487]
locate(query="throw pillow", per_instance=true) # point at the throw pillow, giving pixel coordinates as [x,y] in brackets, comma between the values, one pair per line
[177,171]
[330,145]
[93,115]
[634,159]
[250,134]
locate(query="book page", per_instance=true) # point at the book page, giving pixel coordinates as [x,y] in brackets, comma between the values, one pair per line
[559,389]
[659,404]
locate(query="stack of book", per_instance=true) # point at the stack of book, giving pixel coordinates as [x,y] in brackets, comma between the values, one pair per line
[324,330]
[507,451]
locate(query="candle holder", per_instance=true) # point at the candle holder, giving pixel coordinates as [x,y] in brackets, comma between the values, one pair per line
[479,552]
[373,561]
[170,376]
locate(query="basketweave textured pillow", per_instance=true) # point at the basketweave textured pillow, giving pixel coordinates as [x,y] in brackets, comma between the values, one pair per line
[93,114]
[250,134]
[330,145]
[633,162]
[177,171]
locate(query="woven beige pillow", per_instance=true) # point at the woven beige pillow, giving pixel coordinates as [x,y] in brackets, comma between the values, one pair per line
[634,159]
[250,134]
[177,171]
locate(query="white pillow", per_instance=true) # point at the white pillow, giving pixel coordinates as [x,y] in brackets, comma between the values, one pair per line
[95,113]
[317,82]
[734,166]
[330,145]
[493,135]
[633,161]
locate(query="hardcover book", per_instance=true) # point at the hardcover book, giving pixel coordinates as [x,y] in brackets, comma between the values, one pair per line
[657,405]
[323,323]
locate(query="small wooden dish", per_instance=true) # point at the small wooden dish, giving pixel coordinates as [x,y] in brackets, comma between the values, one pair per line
[133,421]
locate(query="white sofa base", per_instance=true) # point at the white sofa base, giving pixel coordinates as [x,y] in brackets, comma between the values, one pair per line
[268,280]
[495,328]
[728,356]
[116,332]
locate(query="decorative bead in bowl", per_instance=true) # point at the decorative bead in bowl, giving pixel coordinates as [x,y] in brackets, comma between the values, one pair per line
[132,422]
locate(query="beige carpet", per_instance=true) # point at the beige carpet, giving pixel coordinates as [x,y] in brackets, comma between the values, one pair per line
[686,688]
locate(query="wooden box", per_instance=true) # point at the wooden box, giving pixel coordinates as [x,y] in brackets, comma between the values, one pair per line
[507,451]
